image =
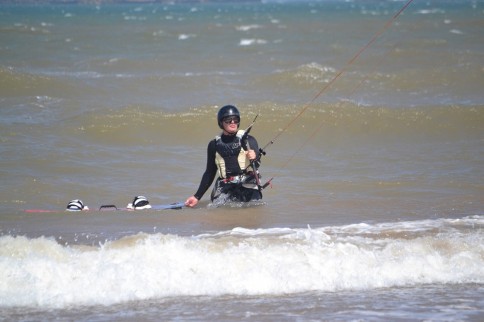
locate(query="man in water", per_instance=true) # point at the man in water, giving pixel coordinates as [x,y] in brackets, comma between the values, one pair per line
[229,156]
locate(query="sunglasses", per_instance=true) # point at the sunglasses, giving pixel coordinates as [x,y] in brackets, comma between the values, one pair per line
[231,119]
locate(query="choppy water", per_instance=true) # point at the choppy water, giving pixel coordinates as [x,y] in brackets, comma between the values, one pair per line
[376,207]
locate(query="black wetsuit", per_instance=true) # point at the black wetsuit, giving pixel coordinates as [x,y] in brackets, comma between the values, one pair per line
[236,191]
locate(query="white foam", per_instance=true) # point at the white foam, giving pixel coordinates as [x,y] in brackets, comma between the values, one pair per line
[456,31]
[40,272]
[431,11]
[248,27]
[186,36]
[249,42]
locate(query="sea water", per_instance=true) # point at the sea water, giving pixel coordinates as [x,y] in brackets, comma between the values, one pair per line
[375,209]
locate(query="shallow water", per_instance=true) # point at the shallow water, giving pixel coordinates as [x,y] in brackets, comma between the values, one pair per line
[375,210]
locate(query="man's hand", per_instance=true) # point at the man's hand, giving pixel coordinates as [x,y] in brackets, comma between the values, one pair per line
[251,154]
[191,202]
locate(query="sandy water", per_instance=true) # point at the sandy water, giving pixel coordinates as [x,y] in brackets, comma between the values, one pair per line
[375,209]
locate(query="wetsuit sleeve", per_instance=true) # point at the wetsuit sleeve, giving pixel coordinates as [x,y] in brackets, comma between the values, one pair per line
[253,144]
[210,171]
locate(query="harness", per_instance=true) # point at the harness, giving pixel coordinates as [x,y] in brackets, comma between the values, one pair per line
[244,179]
[230,158]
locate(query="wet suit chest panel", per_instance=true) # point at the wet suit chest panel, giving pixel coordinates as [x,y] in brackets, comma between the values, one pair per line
[230,157]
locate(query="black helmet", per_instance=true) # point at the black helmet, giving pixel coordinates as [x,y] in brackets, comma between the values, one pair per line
[227,110]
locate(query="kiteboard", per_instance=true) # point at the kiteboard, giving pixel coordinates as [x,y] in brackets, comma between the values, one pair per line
[173,206]
[139,203]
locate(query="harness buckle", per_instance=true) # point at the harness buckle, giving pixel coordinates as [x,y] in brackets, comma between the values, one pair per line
[235,179]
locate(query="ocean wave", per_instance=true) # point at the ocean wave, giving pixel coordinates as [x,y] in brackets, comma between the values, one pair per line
[40,272]
[18,83]
[250,42]
[344,120]
[248,27]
